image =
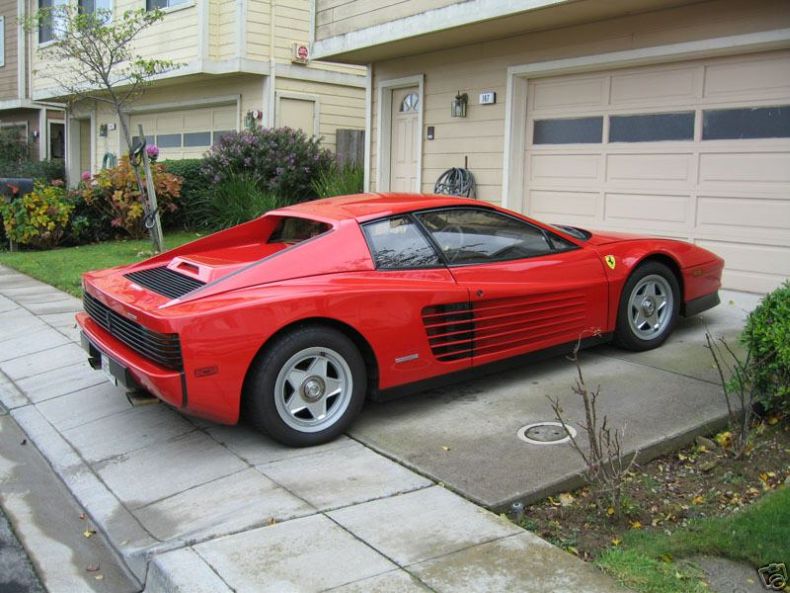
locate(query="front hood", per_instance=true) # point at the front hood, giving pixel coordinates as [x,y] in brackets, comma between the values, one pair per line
[606,237]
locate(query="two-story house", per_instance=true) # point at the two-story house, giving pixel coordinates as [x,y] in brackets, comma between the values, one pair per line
[41,125]
[667,117]
[238,64]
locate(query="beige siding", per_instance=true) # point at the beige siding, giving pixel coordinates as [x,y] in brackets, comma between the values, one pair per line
[339,106]
[337,17]
[258,29]
[223,30]
[8,72]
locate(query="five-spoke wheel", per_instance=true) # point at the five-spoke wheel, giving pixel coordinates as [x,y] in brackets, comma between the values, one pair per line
[306,386]
[649,307]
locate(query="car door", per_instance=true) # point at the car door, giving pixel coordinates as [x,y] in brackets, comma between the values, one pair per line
[529,289]
[417,319]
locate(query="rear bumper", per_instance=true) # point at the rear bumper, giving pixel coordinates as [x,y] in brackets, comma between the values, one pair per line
[129,367]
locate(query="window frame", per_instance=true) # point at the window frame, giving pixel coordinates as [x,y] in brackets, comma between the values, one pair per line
[2,41]
[149,6]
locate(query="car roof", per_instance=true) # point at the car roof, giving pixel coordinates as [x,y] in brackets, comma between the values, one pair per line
[368,206]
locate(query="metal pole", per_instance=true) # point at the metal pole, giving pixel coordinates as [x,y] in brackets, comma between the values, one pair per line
[155,228]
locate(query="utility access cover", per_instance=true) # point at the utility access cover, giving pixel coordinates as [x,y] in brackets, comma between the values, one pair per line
[545,433]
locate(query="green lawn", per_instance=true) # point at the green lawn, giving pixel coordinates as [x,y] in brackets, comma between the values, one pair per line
[647,562]
[62,268]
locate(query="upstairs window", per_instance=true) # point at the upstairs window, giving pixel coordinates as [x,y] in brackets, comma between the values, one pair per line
[49,27]
[94,5]
[154,4]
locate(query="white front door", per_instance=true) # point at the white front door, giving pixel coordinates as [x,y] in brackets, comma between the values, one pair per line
[403,150]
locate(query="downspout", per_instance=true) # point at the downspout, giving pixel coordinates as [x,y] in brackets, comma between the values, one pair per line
[270,113]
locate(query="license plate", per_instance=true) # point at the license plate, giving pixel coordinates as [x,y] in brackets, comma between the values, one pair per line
[105,366]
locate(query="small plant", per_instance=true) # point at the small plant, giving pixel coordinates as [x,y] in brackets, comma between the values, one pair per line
[738,386]
[114,193]
[767,338]
[235,199]
[606,465]
[193,186]
[38,219]
[282,161]
[339,181]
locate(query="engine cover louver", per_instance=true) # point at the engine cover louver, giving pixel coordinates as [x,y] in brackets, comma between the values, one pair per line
[165,281]
[163,349]
[463,330]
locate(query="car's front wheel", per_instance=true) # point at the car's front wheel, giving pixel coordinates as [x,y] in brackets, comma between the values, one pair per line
[649,306]
[306,387]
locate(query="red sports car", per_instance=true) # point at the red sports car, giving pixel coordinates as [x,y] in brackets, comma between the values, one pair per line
[292,319]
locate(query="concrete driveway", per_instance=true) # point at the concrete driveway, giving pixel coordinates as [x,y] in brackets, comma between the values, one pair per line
[192,506]
[465,436]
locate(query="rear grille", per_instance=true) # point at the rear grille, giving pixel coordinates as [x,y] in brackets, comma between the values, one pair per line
[165,281]
[163,349]
[451,330]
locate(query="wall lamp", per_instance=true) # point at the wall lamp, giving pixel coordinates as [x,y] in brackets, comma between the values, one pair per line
[459,104]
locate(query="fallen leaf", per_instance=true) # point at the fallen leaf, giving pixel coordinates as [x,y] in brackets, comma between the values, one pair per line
[566,499]
[24,442]
[616,541]
[445,448]
[82,516]
[99,577]
[771,420]
[699,499]
[572,550]
[636,525]
[89,532]
[610,511]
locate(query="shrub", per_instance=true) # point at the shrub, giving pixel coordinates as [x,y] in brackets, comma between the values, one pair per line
[114,194]
[38,219]
[281,161]
[767,338]
[48,171]
[192,185]
[339,181]
[235,199]
[13,148]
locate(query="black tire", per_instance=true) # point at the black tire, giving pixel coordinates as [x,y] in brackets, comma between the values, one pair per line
[309,364]
[642,322]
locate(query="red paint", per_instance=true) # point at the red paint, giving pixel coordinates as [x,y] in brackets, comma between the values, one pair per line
[255,289]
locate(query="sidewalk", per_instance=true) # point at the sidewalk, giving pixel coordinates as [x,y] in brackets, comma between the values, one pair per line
[192,506]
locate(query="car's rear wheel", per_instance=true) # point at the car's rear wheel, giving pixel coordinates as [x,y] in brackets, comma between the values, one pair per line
[649,306]
[306,387]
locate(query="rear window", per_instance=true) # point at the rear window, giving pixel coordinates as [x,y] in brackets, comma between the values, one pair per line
[295,230]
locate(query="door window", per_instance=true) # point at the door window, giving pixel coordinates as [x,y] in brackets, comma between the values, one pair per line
[474,236]
[397,244]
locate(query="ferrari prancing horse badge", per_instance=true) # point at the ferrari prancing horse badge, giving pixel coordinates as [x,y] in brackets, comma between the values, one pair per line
[610,261]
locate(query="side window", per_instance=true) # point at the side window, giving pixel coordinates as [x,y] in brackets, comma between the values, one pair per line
[474,236]
[397,243]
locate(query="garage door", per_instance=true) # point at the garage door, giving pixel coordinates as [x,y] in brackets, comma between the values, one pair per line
[186,133]
[697,150]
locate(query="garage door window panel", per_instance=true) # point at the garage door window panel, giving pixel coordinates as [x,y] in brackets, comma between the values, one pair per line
[652,127]
[746,123]
[168,140]
[197,139]
[398,244]
[474,236]
[579,130]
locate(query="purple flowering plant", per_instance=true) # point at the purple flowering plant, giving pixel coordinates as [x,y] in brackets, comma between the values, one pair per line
[282,161]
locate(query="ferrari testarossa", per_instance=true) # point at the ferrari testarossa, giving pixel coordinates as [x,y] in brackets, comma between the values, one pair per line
[294,318]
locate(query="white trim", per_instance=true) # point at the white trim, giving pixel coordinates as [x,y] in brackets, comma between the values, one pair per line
[517,78]
[185,104]
[2,41]
[17,104]
[203,31]
[316,100]
[43,134]
[368,127]
[92,144]
[311,28]
[430,21]
[241,29]
[316,75]
[384,132]
[21,50]
[175,8]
